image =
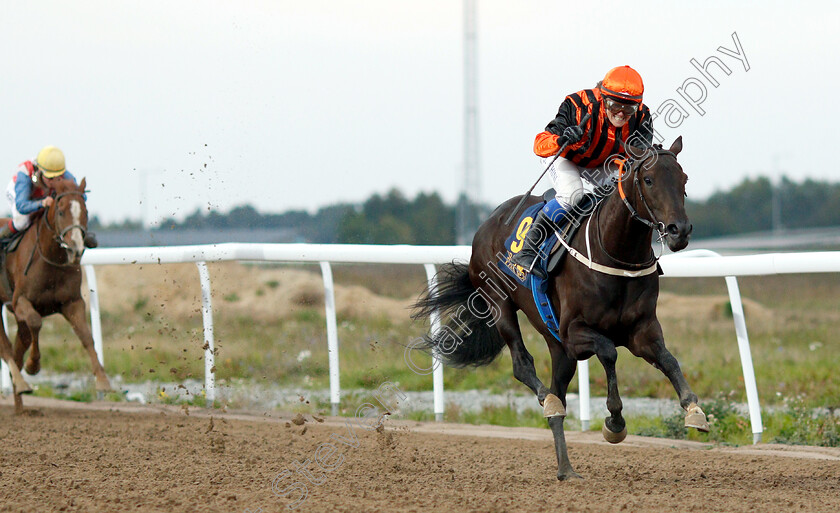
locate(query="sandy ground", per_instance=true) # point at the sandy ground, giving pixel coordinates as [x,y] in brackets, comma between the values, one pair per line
[65,456]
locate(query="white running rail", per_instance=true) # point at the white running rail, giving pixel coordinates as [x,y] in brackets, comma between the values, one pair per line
[687,264]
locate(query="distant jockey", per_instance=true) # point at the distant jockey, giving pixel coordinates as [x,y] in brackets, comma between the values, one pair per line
[617,115]
[30,188]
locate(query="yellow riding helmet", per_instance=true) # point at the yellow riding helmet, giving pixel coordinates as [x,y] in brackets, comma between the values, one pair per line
[50,161]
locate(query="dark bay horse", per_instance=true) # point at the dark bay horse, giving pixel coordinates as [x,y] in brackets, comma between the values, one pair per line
[597,311]
[44,276]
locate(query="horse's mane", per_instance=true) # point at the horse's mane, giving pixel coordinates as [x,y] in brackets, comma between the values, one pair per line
[64,185]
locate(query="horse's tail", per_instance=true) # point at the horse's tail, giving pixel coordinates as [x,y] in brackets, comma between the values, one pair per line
[467,335]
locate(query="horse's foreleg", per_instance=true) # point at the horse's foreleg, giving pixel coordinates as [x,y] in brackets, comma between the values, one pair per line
[586,339]
[22,342]
[562,371]
[20,385]
[649,344]
[29,325]
[523,362]
[74,312]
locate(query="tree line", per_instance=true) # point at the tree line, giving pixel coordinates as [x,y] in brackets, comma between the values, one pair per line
[750,206]
[392,218]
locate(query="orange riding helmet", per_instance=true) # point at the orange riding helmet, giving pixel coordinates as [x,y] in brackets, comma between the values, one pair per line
[623,84]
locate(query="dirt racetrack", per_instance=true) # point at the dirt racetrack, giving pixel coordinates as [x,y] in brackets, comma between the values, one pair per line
[66,456]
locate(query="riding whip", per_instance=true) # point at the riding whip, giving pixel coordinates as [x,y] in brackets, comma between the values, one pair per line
[528,194]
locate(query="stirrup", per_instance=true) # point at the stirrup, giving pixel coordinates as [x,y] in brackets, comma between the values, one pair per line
[529,262]
[536,270]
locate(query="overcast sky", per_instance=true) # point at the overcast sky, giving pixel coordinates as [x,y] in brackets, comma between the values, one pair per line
[282,105]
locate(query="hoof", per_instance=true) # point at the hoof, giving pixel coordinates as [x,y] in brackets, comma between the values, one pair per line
[695,418]
[22,388]
[568,475]
[33,367]
[104,388]
[553,407]
[26,412]
[613,438]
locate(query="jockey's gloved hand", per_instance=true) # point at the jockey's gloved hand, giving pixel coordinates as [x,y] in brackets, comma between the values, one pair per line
[573,134]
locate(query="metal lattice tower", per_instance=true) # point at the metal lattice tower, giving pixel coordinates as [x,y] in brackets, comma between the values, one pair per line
[468,200]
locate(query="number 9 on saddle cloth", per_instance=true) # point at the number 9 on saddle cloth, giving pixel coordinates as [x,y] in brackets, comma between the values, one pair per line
[551,251]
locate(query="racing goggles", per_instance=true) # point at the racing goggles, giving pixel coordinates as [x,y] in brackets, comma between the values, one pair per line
[615,107]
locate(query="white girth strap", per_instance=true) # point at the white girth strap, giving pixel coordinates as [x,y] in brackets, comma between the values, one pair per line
[613,271]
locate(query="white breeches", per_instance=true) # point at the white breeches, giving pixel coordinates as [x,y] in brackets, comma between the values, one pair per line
[20,221]
[568,179]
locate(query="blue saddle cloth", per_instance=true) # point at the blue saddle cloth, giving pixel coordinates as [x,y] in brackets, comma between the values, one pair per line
[538,287]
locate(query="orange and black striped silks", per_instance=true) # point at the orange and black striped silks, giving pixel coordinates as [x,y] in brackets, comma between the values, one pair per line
[600,138]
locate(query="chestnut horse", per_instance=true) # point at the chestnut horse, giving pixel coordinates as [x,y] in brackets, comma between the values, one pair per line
[601,302]
[45,277]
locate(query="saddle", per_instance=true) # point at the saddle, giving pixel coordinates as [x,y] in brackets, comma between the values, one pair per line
[551,253]
[8,245]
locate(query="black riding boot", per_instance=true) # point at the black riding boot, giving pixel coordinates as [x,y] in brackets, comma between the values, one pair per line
[527,256]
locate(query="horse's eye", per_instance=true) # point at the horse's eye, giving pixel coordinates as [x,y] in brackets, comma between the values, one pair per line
[60,213]
[648,181]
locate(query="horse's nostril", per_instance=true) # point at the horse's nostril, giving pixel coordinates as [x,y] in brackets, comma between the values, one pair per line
[673,230]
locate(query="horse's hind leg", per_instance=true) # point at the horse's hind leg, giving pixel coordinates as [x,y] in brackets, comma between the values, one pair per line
[523,362]
[74,312]
[27,338]
[562,371]
[649,344]
[20,385]
[583,338]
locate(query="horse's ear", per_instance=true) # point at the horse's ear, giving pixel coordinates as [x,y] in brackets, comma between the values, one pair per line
[676,148]
[82,185]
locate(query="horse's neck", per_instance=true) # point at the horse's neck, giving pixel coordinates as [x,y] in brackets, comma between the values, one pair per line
[623,237]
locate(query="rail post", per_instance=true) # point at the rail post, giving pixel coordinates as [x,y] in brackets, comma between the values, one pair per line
[95,318]
[746,357]
[583,386]
[332,336]
[207,317]
[437,371]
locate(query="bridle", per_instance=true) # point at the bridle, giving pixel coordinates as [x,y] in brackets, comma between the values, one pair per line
[58,237]
[630,270]
[653,223]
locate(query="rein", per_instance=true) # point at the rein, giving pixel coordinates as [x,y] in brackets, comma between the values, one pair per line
[635,270]
[56,236]
[659,226]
